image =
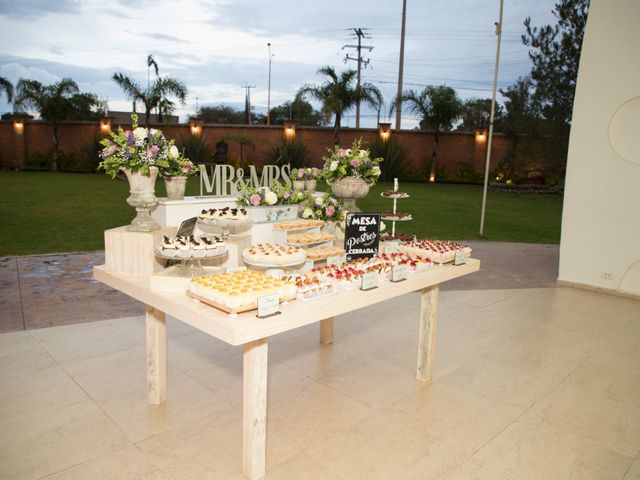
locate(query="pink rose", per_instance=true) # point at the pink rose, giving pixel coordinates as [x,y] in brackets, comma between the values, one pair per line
[186,168]
[355,163]
[152,151]
[254,199]
[300,173]
[112,149]
[342,152]
[329,211]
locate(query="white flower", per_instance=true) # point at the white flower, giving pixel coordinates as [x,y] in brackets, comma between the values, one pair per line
[363,154]
[174,152]
[375,170]
[348,151]
[383,227]
[333,166]
[308,213]
[271,198]
[140,134]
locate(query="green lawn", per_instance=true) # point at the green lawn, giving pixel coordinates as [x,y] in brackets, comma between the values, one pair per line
[64,212]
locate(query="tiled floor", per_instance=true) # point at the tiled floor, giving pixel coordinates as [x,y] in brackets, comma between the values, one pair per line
[537,384]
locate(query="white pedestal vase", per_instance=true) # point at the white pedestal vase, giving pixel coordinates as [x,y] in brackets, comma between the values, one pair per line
[310,185]
[350,189]
[176,187]
[142,197]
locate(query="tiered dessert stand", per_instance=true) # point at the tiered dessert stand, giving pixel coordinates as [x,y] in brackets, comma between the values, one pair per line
[395,199]
[190,266]
[282,236]
[222,225]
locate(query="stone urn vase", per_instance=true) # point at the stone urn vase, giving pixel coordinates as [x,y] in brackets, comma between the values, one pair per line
[142,197]
[175,187]
[350,189]
[337,230]
[298,185]
[310,185]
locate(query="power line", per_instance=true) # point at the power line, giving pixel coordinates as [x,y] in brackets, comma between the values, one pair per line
[360,35]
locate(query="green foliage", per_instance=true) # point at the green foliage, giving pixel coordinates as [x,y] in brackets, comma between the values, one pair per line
[293,152]
[298,110]
[467,174]
[393,155]
[7,88]
[476,114]
[437,106]
[68,162]
[196,148]
[91,152]
[220,114]
[504,169]
[352,162]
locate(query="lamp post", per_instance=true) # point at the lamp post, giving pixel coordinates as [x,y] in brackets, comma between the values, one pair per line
[269,87]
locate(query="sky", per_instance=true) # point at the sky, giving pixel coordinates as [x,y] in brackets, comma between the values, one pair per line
[217,46]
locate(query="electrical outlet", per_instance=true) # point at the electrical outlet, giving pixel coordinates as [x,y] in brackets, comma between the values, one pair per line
[607,276]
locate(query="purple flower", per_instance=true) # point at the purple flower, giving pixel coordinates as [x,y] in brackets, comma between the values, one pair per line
[342,152]
[152,152]
[112,149]
[127,154]
[329,211]
[130,138]
[355,163]
[255,199]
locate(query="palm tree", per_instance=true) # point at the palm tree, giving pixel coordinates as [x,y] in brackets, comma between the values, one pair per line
[338,94]
[7,87]
[438,107]
[156,93]
[53,102]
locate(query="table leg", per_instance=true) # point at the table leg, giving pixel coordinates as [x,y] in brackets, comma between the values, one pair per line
[156,356]
[427,334]
[326,331]
[254,409]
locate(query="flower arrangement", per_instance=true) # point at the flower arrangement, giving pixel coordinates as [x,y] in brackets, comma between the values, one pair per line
[351,162]
[179,165]
[276,194]
[324,207]
[137,149]
[308,173]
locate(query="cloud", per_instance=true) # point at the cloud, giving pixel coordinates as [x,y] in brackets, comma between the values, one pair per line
[164,37]
[31,9]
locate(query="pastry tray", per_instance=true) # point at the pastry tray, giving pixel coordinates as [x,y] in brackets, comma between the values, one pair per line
[396,197]
[224,308]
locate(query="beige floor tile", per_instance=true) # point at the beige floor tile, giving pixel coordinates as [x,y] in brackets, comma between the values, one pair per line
[462,419]
[484,298]
[224,377]
[579,322]
[198,350]
[59,438]
[300,467]
[27,394]
[307,413]
[21,353]
[539,451]
[73,343]
[603,306]
[210,448]
[135,327]
[381,448]
[473,469]
[372,380]
[187,401]
[126,464]
[634,471]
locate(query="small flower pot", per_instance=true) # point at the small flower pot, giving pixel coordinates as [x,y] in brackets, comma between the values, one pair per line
[310,185]
[298,185]
[175,187]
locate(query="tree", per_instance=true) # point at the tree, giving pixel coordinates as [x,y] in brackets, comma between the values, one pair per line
[476,114]
[299,110]
[5,85]
[438,107]
[56,103]
[156,95]
[223,114]
[338,94]
[555,53]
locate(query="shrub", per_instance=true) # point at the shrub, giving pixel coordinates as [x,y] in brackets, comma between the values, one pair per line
[196,148]
[293,152]
[467,174]
[394,158]
[91,152]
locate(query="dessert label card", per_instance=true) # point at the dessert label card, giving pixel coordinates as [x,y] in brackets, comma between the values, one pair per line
[268,305]
[362,235]
[187,227]
[369,281]
[399,273]
[458,258]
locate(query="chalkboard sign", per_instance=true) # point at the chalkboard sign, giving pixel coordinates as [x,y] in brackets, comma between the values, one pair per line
[187,227]
[361,235]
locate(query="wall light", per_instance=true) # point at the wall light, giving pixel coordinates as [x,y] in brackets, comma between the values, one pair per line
[385,131]
[18,125]
[481,135]
[432,178]
[290,130]
[196,126]
[105,124]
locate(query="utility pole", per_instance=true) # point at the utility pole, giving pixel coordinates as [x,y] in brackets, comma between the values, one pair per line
[360,35]
[401,67]
[247,103]
[269,88]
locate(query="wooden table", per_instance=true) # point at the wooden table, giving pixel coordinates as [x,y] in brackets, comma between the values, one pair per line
[252,333]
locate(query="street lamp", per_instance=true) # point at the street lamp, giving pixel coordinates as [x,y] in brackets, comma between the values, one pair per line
[269,87]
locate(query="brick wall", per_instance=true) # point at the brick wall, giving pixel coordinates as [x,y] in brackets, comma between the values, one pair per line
[455,148]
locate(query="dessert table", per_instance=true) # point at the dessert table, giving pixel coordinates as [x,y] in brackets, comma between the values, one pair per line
[252,333]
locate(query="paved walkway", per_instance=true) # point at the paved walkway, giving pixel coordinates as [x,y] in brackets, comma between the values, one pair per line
[49,290]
